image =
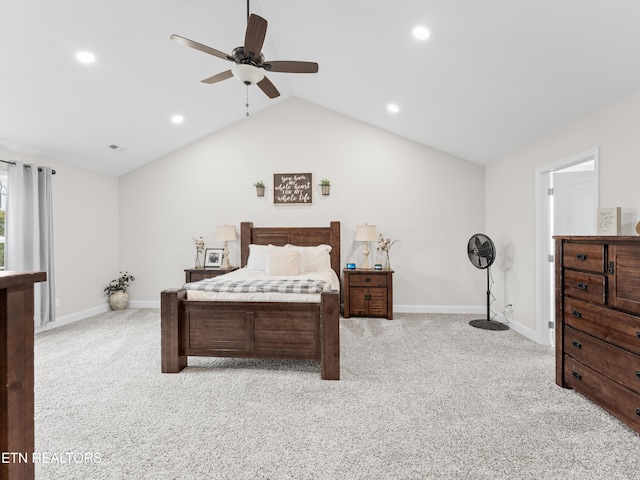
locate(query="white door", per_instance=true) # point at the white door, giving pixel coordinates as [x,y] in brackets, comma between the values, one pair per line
[567,201]
[574,202]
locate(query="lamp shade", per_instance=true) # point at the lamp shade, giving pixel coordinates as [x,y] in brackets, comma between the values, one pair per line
[226,232]
[366,233]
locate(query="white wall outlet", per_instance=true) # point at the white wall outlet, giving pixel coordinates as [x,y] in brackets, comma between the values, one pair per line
[57,303]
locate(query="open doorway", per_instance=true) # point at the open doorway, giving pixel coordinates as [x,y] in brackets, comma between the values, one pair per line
[566,204]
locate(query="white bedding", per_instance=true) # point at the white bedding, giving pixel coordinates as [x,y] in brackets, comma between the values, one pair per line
[247,274]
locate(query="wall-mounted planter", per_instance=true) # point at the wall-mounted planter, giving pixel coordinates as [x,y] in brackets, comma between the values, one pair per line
[326,189]
[260,191]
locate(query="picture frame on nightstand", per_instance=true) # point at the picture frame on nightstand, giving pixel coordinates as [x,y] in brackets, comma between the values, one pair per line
[213,257]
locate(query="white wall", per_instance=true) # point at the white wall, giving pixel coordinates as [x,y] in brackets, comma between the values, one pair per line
[85,211]
[430,201]
[510,193]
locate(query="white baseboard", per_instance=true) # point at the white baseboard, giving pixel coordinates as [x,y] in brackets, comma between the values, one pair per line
[439,309]
[73,317]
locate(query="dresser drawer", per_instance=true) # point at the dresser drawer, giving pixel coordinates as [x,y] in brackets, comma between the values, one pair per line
[621,329]
[585,286]
[368,280]
[583,256]
[613,397]
[611,361]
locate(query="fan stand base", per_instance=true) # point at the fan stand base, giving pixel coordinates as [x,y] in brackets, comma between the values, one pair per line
[488,325]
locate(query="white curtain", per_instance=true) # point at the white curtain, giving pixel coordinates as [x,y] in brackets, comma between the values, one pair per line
[29,231]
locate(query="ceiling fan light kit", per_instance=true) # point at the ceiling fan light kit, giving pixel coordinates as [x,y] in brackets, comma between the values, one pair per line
[247,74]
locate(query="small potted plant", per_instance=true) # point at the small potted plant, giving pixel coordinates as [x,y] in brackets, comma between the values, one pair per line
[117,291]
[259,188]
[325,186]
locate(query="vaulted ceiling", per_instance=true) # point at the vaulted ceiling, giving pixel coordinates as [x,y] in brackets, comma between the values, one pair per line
[494,75]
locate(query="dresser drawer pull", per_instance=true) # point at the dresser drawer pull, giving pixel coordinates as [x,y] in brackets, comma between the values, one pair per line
[582,286]
[577,375]
[638,373]
[638,335]
[577,314]
[578,345]
[581,256]
[638,411]
[368,279]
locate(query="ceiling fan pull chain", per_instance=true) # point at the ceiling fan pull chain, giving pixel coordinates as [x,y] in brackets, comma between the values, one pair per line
[247,104]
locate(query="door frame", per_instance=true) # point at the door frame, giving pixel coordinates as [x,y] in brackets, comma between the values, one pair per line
[545,298]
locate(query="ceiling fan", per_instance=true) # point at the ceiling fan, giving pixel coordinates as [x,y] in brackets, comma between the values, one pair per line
[248,59]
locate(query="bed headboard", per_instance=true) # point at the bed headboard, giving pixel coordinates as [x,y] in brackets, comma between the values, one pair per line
[303,236]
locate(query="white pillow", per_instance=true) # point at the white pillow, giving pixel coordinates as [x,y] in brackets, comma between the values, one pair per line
[315,259]
[282,261]
[257,257]
[302,257]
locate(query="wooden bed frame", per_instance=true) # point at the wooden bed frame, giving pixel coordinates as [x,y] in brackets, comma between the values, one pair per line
[299,331]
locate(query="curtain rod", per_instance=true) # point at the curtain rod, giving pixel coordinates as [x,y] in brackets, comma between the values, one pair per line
[53,172]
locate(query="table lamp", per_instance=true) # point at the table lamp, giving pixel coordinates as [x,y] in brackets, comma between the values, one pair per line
[225,234]
[366,233]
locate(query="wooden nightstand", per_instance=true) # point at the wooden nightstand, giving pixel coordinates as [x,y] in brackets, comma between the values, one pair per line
[195,274]
[368,293]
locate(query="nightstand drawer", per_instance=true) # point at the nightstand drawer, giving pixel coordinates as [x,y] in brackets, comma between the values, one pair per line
[197,274]
[368,280]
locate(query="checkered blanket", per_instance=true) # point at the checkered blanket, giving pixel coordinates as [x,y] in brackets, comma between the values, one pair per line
[286,285]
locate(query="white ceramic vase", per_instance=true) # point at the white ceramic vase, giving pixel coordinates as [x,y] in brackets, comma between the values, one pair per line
[119,300]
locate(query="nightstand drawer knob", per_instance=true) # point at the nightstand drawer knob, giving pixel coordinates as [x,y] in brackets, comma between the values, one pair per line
[368,279]
[577,375]
[638,335]
[577,314]
[638,411]
[581,256]
[638,373]
[576,344]
[582,286]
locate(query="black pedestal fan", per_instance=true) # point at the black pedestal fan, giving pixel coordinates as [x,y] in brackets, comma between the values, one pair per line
[482,253]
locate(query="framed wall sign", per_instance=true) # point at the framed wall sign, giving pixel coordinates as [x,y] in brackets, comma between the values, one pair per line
[292,189]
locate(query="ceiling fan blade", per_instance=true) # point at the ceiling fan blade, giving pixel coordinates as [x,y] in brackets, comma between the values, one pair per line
[254,36]
[291,67]
[201,47]
[218,78]
[269,88]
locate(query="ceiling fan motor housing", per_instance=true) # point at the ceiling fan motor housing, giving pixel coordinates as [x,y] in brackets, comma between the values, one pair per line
[239,57]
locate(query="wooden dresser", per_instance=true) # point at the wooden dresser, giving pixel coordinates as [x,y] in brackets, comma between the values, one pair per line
[16,374]
[598,321]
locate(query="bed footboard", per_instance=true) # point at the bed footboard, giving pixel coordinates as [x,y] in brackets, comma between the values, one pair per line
[303,331]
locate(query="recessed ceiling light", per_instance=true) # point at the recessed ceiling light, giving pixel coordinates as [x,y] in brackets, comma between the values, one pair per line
[85,57]
[393,108]
[177,119]
[421,33]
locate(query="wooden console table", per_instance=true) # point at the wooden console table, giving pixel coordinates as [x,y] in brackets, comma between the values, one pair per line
[16,374]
